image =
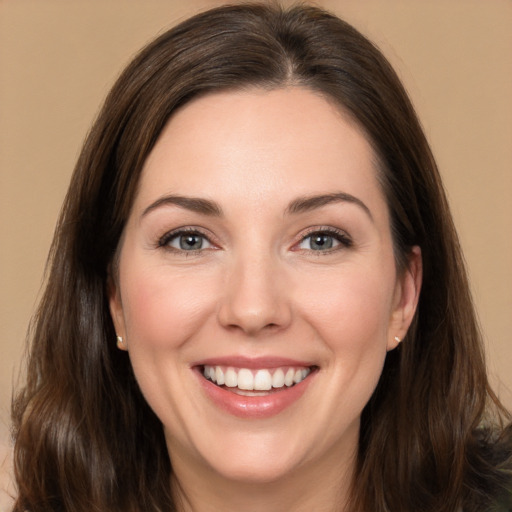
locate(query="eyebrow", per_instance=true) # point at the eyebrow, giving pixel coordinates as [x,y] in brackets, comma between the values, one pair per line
[299,205]
[195,204]
[308,203]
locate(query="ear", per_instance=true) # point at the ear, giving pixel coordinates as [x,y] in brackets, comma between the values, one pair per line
[116,312]
[406,297]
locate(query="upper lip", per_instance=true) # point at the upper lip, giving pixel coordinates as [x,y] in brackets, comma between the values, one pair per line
[254,363]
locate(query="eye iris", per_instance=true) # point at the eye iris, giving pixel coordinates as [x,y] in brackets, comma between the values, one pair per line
[191,242]
[321,242]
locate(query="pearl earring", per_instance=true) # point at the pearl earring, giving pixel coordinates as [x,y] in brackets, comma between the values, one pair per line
[120,343]
[397,339]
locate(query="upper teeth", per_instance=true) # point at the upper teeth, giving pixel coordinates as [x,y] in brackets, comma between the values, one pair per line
[260,380]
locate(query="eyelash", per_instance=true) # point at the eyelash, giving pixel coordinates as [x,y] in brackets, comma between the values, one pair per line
[165,240]
[339,236]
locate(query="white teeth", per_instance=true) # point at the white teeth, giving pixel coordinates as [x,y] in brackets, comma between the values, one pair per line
[231,378]
[245,379]
[243,392]
[288,378]
[251,380]
[278,379]
[263,380]
[219,376]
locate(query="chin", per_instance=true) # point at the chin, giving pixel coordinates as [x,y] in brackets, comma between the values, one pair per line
[256,470]
[256,457]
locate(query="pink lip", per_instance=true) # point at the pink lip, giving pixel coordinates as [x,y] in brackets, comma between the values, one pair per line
[253,407]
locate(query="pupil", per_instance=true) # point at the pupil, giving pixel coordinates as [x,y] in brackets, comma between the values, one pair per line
[188,242]
[321,242]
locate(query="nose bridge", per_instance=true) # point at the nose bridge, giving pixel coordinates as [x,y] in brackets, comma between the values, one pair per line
[255,296]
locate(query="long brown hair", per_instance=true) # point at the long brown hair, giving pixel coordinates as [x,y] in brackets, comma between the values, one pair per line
[432,436]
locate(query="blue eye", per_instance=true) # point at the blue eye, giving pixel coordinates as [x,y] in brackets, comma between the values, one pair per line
[323,241]
[185,241]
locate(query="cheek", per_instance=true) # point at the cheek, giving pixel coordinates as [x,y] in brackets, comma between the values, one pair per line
[162,309]
[349,302]
[350,312]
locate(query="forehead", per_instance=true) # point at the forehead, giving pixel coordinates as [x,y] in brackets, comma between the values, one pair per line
[273,142]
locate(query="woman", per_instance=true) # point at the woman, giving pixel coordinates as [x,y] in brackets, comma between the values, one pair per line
[257,299]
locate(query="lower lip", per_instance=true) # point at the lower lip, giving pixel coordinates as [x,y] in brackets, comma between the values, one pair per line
[254,406]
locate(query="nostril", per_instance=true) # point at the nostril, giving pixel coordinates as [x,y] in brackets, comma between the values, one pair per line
[254,307]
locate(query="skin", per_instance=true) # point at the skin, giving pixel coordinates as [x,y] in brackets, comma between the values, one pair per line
[258,287]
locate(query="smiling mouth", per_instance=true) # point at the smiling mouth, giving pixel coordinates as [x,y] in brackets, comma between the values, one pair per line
[255,382]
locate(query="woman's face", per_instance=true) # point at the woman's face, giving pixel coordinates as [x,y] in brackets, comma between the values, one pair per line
[258,253]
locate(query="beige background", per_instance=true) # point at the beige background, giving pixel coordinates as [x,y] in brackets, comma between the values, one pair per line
[58,59]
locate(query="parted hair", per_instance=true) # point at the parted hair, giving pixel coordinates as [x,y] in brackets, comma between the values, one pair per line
[434,437]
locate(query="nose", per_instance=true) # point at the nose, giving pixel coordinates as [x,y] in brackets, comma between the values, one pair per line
[255,299]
